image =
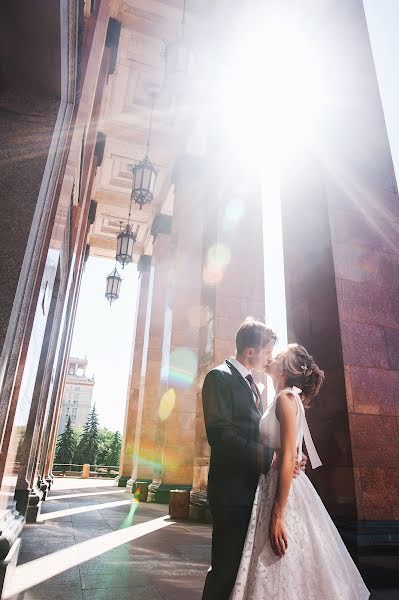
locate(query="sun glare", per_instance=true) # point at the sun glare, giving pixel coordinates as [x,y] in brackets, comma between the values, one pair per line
[273,85]
[271,104]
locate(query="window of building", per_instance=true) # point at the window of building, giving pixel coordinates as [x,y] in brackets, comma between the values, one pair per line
[71,369]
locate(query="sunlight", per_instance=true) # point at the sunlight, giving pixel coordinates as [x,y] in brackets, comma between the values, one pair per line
[80,509]
[68,484]
[167,404]
[272,100]
[183,364]
[40,569]
[67,496]
[272,92]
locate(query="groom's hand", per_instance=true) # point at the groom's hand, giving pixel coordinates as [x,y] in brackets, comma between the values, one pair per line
[300,466]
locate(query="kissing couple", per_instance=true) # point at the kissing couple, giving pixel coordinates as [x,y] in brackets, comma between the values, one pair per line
[272,537]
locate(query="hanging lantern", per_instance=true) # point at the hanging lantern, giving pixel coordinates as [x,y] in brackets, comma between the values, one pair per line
[124,245]
[113,286]
[178,63]
[144,176]
[178,60]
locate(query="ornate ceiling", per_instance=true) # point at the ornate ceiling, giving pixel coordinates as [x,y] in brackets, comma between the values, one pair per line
[147,25]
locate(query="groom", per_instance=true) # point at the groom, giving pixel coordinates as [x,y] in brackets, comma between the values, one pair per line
[232,411]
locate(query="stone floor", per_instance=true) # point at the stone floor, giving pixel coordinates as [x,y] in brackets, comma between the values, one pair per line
[93,543]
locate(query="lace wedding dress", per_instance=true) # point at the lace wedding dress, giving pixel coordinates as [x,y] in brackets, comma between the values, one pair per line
[316,565]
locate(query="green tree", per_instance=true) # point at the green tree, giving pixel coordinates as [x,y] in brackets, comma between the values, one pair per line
[66,445]
[106,437]
[78,434]
[110,447]
[115,450]
[89,442]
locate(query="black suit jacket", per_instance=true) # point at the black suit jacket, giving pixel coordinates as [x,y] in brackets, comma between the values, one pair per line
[238,456]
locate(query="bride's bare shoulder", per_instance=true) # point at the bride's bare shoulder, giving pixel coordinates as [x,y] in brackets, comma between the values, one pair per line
[285,403]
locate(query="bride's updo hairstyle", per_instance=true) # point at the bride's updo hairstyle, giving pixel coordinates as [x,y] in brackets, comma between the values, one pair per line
[301,370]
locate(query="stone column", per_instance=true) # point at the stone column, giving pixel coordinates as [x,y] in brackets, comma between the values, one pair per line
[53,381]
[341,223]
[181,334]
[38,109]
[232,289]
[132,424]
[54,407]
[29,490]
[155,408]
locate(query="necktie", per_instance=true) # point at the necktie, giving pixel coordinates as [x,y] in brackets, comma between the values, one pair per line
[254,389]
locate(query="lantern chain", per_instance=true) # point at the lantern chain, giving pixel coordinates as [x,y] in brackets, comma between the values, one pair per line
[183,18]
[150,127]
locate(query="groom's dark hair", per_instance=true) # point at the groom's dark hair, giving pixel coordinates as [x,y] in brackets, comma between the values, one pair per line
[254,334]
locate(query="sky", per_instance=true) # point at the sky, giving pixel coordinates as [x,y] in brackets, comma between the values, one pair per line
[104,333]
[383,23]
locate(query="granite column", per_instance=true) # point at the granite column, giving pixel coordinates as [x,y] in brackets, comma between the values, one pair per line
[175,433]
[340,223]
[155,406]
[133,414]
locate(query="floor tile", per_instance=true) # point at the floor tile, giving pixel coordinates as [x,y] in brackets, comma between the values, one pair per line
[168,564]
[117,593]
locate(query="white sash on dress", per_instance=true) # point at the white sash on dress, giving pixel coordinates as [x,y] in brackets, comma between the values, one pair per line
[305,433]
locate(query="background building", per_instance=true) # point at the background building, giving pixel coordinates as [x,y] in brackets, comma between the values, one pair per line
[78,392]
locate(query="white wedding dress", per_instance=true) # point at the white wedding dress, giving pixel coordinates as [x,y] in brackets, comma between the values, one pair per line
[316,565]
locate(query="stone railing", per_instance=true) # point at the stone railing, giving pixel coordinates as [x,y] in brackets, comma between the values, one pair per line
[74,470]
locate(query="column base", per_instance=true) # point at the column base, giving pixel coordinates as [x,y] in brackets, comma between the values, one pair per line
[374,546]
[199,507]
[159,493]
[44,488]
[11,524]
[133,486]
[28,503]
[49,480]
[121,480]
[35,499]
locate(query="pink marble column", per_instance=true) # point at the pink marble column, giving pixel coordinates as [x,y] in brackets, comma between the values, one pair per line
[155,407]
[341,242]
[133,414]
[181,333]
[233,288]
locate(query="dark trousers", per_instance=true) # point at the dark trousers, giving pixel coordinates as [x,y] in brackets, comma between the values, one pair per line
[230,526]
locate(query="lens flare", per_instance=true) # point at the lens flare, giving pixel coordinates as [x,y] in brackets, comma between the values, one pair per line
[128,520]
[212,275]
[219,255]
[182,367]
[233,214]
[167,404]
[218,258]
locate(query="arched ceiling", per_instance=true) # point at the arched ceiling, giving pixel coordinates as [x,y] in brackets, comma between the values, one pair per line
[146,26]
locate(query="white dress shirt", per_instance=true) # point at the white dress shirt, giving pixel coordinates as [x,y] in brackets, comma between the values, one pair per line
[243,371]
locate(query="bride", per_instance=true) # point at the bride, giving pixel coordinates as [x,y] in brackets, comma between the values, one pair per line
[293,550]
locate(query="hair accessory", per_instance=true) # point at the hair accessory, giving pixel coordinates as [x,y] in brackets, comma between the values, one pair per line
[304,368]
